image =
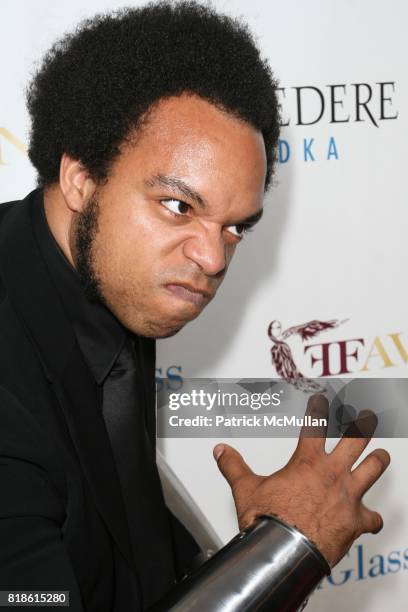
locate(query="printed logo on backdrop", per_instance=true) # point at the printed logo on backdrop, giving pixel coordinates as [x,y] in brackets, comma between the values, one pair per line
[359,566]
[338,104]
[169,379]
[281,353]
[333,358]
[11,139]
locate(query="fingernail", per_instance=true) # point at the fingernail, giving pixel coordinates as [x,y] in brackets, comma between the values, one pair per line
[218,450]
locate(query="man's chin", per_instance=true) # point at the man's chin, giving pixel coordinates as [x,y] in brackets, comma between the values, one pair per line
[170,322]
[160,322]
[160,326]
[159,332]
[168,334]
[166,329]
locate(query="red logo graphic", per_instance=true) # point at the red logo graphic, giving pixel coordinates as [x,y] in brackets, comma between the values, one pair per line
[281,353]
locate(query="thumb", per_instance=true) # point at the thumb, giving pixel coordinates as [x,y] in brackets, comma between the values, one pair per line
[230,463]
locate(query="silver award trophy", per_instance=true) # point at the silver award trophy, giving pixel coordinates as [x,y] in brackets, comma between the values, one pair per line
[269,567]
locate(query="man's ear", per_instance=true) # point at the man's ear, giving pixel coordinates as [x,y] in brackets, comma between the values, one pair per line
[75,183]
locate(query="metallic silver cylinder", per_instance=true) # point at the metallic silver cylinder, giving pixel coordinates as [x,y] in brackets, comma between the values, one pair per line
[269,567]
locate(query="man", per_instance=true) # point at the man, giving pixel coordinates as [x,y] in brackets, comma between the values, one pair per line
[154,136]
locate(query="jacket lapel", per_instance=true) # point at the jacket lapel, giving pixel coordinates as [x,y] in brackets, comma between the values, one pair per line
[32,294]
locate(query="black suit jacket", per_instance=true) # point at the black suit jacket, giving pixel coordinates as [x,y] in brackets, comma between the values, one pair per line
[62,519]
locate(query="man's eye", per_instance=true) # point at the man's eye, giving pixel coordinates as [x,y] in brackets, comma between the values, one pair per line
[238,230]
[177,207]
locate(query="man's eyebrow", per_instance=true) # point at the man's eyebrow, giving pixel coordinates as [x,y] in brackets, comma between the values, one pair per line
[176,184]
[249,221]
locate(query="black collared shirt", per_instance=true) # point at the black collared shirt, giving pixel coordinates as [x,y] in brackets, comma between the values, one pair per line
[99,334]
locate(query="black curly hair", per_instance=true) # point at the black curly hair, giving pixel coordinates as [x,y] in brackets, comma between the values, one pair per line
[98,83]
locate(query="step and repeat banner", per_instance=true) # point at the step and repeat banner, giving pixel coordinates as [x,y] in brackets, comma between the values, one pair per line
[320,287]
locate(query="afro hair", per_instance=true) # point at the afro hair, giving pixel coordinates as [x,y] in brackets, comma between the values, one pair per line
[97,84]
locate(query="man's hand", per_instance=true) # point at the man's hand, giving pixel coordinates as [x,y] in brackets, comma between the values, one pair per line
[317,492]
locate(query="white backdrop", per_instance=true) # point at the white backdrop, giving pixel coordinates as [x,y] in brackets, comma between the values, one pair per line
[331,244]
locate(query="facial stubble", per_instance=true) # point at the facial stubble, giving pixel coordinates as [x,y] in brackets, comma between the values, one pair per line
[84,233]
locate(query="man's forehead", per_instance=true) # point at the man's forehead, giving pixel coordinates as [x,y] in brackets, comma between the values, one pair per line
[195,118]
[187,106]
[196,158]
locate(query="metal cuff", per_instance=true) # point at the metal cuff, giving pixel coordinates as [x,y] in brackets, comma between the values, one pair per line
[269,566]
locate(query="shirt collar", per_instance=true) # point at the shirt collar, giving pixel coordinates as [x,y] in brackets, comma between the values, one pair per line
[99,334]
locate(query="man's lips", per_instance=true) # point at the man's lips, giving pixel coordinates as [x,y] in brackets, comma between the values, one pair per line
[189,293]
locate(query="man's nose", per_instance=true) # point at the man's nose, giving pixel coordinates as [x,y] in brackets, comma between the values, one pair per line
[207,250]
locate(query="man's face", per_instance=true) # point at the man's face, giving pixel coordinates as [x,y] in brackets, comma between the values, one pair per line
[171,214]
